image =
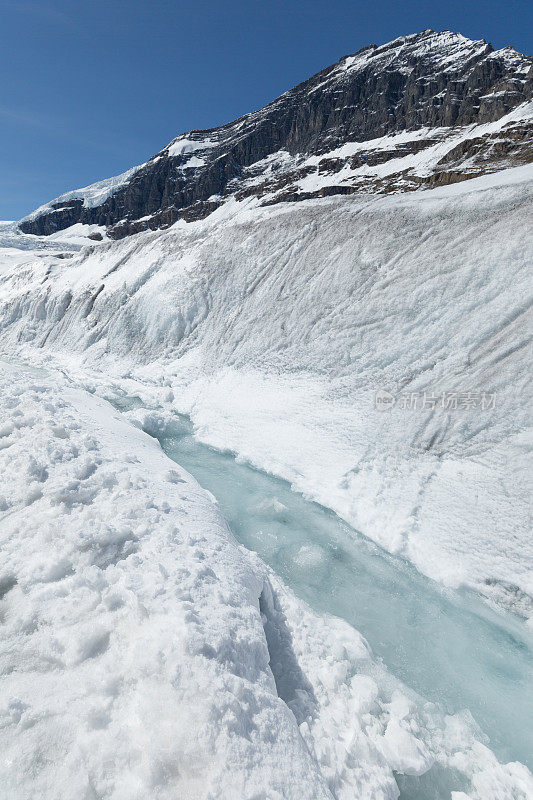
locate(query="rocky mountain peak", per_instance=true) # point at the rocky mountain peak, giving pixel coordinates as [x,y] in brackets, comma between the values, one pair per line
[427,108]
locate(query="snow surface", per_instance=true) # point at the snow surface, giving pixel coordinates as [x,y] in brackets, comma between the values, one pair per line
[72,238]
[147,655]
[277,326]
[18,249]
[77,234]
[183,146]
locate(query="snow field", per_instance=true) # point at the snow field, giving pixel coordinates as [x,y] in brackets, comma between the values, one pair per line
[276,327]
[148,655]
[134,662]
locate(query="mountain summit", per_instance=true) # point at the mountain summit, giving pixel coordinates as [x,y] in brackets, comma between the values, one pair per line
[426,109]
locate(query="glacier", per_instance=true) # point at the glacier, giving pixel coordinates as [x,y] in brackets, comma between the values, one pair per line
[414,626]
[148,653]
[275,330]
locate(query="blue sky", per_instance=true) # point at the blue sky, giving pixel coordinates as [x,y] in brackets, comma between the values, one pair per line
[92,87]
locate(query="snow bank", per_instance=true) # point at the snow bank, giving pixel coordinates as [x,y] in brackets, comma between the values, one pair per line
[134,661]
[148,655]
[277,327]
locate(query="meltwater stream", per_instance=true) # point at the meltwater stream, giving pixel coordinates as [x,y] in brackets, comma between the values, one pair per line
[449,646]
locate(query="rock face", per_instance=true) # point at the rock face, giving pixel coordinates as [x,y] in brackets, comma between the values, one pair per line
[424,109]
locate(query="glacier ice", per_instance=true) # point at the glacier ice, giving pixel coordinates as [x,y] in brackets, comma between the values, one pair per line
[273,329]
[147,654]
[276,329]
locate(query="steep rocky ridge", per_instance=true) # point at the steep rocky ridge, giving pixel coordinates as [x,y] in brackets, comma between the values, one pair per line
[426,109]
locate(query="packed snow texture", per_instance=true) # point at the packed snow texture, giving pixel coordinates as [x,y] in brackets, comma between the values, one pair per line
[277,326]
[147,655]
[71,239]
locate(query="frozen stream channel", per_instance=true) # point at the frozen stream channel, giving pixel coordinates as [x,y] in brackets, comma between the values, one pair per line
[449,646]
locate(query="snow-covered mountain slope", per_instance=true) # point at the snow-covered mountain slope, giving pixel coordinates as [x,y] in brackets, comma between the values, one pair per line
[147,655]
[423,110]
[277,328]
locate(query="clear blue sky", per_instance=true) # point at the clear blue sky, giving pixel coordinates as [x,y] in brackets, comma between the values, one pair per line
[92,87]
